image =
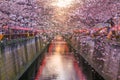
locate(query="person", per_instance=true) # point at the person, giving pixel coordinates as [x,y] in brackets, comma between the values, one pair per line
[110,30]
[111,22]
[1,34]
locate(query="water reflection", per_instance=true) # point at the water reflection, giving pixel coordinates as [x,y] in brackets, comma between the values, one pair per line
[59,67]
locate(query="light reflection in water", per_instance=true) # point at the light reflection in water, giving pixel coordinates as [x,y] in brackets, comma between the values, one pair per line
[59,67]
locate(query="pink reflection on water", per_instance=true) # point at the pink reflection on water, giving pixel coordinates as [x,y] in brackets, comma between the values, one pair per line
[61,67]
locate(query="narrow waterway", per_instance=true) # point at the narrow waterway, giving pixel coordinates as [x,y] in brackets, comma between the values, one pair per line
[59,64]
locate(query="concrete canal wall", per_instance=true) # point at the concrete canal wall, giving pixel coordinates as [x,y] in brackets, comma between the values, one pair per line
[17,55]
[103,55]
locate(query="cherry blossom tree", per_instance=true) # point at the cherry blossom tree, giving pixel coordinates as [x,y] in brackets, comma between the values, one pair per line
[25,13]
[92,12]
